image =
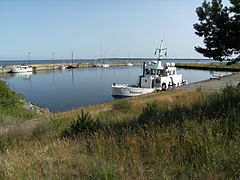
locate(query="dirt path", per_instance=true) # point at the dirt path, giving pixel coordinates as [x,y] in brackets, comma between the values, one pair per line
[214,84]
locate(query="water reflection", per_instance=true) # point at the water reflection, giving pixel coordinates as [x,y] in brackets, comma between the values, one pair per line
[62,90]
[23,75]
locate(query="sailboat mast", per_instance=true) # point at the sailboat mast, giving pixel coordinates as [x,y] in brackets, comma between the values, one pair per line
[29,53]
[72,57]
[100,51]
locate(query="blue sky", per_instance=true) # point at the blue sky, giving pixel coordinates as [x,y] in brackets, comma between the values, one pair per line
[125,28]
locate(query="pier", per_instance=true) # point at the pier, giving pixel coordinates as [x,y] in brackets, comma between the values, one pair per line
[41,67]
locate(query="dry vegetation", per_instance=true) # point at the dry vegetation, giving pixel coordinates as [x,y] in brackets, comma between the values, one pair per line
[169,135]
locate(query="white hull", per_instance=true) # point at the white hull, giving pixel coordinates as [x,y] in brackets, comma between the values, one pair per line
[105,65]
[62,67]
[155,78]
[102,65]
[128,91]
[129,64]
[21,69]
[98,65]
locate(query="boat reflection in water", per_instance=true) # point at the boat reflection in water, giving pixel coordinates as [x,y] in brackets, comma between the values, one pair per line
[23,75]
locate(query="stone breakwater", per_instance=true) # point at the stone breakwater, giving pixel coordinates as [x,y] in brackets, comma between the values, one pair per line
[38,109]
[41,67]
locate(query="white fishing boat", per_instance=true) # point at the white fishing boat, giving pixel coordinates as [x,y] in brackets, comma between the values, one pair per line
[155,78]
[21,69]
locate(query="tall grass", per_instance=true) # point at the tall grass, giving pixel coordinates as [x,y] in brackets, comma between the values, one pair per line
[193,140]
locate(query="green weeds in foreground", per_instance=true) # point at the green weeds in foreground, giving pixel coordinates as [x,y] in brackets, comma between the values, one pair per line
[122,105]
[224,106]
[197,140]
[11,107]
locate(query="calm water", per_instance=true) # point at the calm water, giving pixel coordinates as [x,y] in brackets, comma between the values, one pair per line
[72,88]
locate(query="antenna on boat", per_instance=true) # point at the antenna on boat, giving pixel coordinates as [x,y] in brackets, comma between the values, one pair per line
[160,51]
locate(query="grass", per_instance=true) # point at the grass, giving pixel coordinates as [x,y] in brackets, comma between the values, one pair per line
[178,135]
[11,107]
[216,65]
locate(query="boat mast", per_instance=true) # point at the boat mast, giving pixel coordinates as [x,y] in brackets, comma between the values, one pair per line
[72,57]
[53,59]
[100,52]
[29,53]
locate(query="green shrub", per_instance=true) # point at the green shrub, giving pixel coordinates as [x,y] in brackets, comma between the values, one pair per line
[122,105]
[217,105]
[151,112]
[82,124]
[8,98]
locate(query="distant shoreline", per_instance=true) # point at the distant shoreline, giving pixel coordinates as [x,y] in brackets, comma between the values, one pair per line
[109,59]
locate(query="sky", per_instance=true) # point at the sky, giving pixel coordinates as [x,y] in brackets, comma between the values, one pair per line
[124,28]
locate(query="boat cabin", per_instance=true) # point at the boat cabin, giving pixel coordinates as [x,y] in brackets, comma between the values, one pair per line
[157,76]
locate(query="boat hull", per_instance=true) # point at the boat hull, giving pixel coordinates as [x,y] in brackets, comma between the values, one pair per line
[128,91]
[21,69]
[105,65]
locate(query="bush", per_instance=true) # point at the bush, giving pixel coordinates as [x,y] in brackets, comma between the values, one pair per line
[8,98]
[225,104]
[82,124]
[122,105]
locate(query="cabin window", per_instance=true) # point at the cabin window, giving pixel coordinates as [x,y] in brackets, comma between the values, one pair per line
[153,71]
[147,71]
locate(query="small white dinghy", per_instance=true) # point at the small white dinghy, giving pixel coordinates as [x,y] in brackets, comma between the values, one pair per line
[155,78]
[129,64]
[62,67]
[105,65]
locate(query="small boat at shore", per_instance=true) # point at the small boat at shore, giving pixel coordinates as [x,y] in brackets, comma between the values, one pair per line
[155,78]
[62,67]
[21,69]
[102,65]
[100,61]
[105,65]
[71,66]
[129,64]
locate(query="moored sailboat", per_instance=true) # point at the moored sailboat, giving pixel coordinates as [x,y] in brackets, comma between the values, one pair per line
[23,68]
